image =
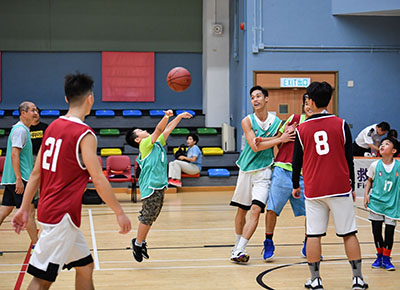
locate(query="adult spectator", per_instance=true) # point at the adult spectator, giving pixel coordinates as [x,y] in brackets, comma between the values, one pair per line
[37,130]
[18,166]
[369,138]
[190,164]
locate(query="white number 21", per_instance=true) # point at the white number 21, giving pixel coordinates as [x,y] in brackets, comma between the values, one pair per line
[51,152]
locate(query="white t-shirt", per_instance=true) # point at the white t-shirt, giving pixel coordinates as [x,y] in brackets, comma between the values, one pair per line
[368,136]
[372,168]
[18,137]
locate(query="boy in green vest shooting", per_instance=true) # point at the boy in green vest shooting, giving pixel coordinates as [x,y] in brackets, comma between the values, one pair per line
[384,200]
[153,179]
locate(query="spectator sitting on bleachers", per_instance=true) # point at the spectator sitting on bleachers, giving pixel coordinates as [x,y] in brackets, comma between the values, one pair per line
[190,164]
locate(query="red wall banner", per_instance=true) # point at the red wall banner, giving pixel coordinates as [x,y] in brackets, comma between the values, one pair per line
[127,76]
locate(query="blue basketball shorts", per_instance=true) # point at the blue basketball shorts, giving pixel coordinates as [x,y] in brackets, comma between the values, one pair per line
[281,191]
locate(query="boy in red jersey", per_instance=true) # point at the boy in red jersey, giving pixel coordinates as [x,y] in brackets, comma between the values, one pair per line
[65,161]
[323,148]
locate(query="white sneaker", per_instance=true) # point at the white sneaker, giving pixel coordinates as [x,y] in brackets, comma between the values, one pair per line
[240,256]
[358,283]
[314,284]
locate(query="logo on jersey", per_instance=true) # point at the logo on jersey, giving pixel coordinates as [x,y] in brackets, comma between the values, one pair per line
[397,174]
[380,173]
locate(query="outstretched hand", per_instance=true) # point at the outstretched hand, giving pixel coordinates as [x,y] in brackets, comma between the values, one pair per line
[169,113]
[186,115]
[288,137]
[291,128]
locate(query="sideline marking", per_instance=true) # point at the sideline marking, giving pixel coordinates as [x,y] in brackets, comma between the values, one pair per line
[96,257]
[23,269]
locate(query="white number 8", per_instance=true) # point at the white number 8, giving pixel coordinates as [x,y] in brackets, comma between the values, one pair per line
[321,142]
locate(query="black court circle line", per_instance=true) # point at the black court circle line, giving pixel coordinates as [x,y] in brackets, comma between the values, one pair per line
[260,276]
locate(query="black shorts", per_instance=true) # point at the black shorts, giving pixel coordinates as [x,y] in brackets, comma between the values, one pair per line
[359,151]
[10,197]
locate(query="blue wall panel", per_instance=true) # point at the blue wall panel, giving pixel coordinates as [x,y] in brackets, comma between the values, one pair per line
[308,37]
[39,76]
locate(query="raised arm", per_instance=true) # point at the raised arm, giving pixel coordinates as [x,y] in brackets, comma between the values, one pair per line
[161,126]
[88,147]
[171,126]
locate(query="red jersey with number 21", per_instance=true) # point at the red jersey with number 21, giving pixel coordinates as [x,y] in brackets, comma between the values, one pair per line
[63,177]
[325,168]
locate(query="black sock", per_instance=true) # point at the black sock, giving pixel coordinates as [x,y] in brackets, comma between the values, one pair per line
[269,236]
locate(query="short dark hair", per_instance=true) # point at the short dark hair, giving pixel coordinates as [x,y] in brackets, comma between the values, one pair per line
[392,133]
[320,93]
[384,126]
[394,142]
[130,138]
[77,87]
[194,137]
[260,88]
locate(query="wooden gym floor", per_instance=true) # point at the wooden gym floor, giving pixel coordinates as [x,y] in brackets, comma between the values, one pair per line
[190,246]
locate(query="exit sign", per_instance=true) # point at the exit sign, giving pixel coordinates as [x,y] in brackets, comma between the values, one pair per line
[295,82]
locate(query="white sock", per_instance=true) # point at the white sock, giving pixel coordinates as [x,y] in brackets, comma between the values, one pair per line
[242,244]
[237,240]
[138,244]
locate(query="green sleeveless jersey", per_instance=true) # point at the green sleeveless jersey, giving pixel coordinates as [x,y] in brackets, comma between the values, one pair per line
[153,174]
[26,159]
[252,161]
[385,195]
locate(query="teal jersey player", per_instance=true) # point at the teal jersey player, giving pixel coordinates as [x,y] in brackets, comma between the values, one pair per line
[153,163]
[250,160]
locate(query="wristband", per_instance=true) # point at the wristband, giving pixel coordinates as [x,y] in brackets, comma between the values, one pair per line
[259,139]
[166,116]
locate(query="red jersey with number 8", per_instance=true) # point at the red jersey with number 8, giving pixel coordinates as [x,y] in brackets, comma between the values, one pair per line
[63,177]
[325,169]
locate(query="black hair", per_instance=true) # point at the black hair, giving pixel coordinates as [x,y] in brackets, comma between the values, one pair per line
[384,126]
[320,93]
[394,142]
[392,133]
[263,90]
[77,87]
[194,137]
[130,138]
[304,98]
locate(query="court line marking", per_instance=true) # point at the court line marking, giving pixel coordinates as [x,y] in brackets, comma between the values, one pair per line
[96,256]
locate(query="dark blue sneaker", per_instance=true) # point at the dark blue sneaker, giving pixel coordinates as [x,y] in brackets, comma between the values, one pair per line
[269,249]
[303,251]
[387,264]
[378,262]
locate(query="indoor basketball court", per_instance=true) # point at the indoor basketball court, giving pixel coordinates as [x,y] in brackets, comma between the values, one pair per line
[190,247]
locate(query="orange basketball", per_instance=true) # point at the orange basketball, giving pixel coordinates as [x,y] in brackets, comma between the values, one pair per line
[179,79]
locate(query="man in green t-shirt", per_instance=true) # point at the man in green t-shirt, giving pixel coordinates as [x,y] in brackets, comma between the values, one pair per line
[18,166]
[153,179]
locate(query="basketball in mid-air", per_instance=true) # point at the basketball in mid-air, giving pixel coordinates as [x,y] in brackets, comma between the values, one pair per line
[179,79]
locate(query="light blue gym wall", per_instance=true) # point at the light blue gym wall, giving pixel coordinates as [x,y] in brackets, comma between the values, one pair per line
[363,49]
[39,76]
[363,6]
[237,67]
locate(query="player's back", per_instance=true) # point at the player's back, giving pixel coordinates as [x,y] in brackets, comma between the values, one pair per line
[325,168]
[63,176]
